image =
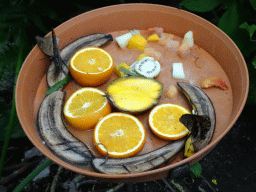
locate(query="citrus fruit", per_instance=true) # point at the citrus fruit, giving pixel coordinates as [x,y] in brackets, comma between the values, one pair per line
[85,107]
[120,135]
[164,121]
[91,66]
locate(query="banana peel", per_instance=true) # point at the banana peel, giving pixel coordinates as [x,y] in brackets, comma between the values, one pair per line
[189,148]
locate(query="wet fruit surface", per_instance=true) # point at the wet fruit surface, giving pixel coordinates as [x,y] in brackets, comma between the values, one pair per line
[85,107]
[91,66]
[164,121]
[119,135]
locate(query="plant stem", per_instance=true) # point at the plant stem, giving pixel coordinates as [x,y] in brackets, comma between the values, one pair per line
[22,167]
[13,114]
[55,179]
[116,187]
[32,175]
[168,185]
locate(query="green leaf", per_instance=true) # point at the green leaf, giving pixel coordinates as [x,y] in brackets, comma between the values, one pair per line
[251,29]
[230,23]
[38,22]
[230,20]
[253,4]
[251,100]
[128,72]
[58,85]
[254,62]
[196,170]
[201,5]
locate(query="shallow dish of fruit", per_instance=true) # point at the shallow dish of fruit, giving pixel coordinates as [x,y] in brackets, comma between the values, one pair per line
[154,93]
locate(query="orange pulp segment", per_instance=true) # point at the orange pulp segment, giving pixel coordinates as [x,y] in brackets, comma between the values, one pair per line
[91,66]
[120,135]
[164,121]
[85,107]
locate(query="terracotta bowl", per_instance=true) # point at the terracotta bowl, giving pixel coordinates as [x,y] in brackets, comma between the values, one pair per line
[214,45]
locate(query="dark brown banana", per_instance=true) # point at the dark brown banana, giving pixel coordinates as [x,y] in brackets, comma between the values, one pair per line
[47,46]
[56,136]
[94,40]
[139,163]
[203,107]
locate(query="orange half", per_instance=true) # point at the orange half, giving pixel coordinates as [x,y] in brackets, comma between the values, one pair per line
[120,135]
[85,107]
[91,66]
[164,121]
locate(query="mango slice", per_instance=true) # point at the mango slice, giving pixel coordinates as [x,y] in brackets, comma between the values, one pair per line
[134,94]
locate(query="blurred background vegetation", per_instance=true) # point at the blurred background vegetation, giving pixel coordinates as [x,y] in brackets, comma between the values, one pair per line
[22,20]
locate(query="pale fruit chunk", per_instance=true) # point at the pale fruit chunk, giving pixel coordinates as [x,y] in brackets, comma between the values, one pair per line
[172,46]
[188,37]
[123,40]
[184,50]
[152,53]
[172,92]
[214,82]
[177,71]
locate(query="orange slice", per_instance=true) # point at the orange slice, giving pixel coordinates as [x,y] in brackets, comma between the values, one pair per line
[119,134]
[164,121]
[91,66]
[85,107]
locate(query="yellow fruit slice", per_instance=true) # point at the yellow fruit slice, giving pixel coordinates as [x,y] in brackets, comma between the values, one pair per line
[134,94]
[141,56]
[85,107]
[91,66]
[153,37]
[164,121]
[137,42]
[122,134]
[118,71]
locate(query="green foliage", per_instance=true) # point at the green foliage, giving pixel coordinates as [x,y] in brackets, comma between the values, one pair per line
[201,5]
[238,21]
[58,85]
[19,21]
[253,4]
[196,170]
[250,28]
